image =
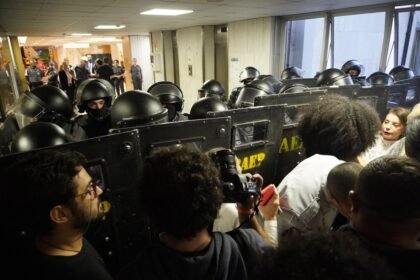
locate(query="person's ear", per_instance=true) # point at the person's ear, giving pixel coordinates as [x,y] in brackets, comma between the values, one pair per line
[354,202]
[59,214]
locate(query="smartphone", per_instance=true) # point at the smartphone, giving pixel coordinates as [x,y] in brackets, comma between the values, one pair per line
[266,194]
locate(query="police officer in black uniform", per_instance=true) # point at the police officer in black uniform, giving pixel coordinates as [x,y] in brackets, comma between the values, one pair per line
[94,97]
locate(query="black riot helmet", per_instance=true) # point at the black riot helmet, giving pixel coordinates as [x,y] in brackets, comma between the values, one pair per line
[206,104]
[137,108]
[401,73]
[94,89]
[233,97]
[39,135]
[47,103]
[214,88]
[380,78]
[333,76]
[248,93]
[354,68]
[168,93]
[291,73]
[248,74]
[293,88]
[275,83]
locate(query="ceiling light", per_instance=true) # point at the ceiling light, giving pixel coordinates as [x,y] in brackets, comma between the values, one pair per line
[110,26]
[81,34]
[76,45]
[166,12]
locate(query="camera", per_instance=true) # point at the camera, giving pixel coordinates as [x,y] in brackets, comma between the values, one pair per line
[236,187]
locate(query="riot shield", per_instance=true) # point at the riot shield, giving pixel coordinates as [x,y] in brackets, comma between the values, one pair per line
[291,150]
[255,138]
[290,100]
[406,97]
[309,82]
[376,97]
[114,163]
[202,134]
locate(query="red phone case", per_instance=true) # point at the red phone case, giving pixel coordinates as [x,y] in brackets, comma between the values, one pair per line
[266,194]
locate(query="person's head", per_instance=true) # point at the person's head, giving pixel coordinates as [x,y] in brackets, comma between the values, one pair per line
[116,62]
[170,96]
[38,135]
[134,61]
[393,126]
[106,60]
[320,256]
[99,62]
[54,191]
[340,181]
[47,103]
[387,196]
[95,97]
[82,63]
[89,57]
[180,191]
[204,105]
[291,73]
[338,126]
[354,68]
[248,74]
[412,138]
[137,108]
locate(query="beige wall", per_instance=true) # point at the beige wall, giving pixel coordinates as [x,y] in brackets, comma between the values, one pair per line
[157,49]
[250,43]
[190,55]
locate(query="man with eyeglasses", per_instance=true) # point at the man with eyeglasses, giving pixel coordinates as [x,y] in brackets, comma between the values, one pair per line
[53,200]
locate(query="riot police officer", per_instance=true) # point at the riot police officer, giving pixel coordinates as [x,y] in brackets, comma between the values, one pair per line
[137,108]
[171,98]
[51,104]
[95,98]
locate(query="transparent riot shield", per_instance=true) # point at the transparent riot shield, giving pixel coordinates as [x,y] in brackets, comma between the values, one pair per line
[255,138]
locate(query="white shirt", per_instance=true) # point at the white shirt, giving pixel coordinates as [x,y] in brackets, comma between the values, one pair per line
[303,202]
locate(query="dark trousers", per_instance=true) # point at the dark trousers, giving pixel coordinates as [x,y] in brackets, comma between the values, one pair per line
[119,86]
[137,83]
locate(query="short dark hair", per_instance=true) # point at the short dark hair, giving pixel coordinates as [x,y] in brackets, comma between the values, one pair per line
[389,187]
[338,126]
[180,191]
[38,182]
[337,255]
[412,138]
[342,179]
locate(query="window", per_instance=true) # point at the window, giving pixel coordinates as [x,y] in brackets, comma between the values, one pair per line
[358,37]
[304,45]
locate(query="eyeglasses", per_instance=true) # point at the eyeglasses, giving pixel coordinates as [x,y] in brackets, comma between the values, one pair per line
[91,190]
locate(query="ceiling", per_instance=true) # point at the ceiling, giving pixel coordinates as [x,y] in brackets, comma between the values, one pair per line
[53,19]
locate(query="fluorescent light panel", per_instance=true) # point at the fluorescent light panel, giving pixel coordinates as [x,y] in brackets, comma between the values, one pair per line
[109,26]
[166,12]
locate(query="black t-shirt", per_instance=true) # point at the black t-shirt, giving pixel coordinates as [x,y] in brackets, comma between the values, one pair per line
[86,265]
[402,261]
[221,260]
[105,72]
